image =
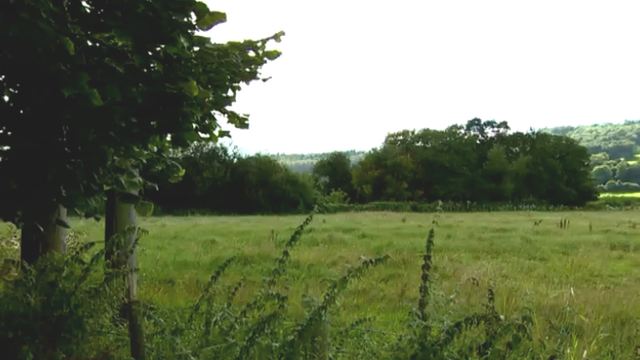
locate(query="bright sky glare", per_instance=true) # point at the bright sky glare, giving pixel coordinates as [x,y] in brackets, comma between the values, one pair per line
[353,70]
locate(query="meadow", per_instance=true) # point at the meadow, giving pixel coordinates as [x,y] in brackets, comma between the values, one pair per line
[580,281]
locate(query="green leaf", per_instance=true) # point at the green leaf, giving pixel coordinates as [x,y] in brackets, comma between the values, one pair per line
[62,223]
[139,61]
[239,121]
[272,54]
[201,40]
[68,45]
[171,49]
[95,98]
[113,92]
[144,208]
[76,83]
[177,176]
[210,20]
[190,136]
[128,198]
[133,184]
[122,162]
[190,88]
[516,340]
[278,36]
[203,93]
[201,9]
[114,65]
[151,185]
[66,91]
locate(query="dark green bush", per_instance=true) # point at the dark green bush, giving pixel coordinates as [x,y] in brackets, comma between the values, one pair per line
[218,180]
[62,307]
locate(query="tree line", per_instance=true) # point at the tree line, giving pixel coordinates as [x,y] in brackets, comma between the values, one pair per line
[476,162]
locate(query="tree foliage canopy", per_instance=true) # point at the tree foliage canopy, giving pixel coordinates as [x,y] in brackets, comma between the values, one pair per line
[92,91]
[334,173]
[477,162]
[220,180]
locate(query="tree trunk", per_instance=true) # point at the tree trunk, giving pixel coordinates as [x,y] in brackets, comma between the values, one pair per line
[110,229]
[121,219]
[44,236]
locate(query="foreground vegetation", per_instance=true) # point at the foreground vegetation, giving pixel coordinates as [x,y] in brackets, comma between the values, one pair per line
[569,280]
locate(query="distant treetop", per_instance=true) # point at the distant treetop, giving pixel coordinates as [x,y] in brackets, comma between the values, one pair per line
[617,140]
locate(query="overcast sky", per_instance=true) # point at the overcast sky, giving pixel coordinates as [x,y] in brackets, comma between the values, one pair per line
[353,70]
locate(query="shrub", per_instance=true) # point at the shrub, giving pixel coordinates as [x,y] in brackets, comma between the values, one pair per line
[61,307]
[337,197]
[601,174]
[221,181]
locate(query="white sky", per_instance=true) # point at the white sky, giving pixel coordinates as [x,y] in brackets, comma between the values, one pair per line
[354,70]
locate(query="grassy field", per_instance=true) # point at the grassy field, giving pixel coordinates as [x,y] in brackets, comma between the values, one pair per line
[581,283]
[623,195]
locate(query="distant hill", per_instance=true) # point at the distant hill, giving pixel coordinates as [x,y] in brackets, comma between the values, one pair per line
[617,140]
[303,163]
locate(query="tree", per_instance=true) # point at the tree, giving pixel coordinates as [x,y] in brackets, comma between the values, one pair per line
[487,129]
[559,170]
[599,158]
[334,173]
[385,174]
[497,172]
[628,173]
[477,162]
[206,181]
[447,165]
[93,91]
[220,180]
[259,184]
[601,174]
